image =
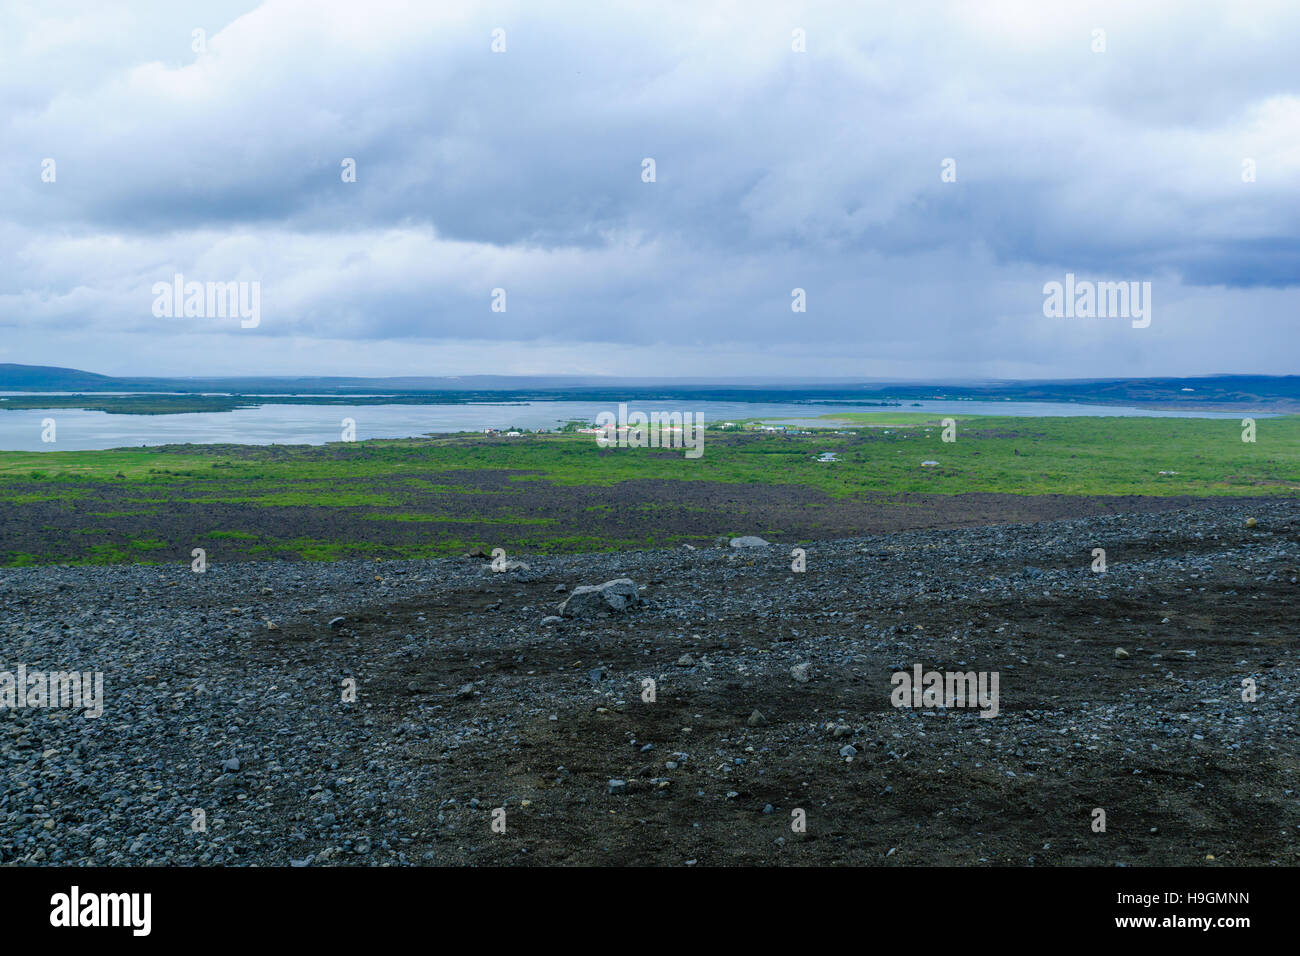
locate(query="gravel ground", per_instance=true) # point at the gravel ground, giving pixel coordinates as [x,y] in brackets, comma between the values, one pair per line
[224,692]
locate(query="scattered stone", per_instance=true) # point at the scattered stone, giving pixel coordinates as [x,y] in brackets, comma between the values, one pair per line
[323,781]
[618,787]
[800,672]
[756,719]
[749,541]
[1121,653]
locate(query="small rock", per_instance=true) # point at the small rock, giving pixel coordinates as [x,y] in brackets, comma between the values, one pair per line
[1121,653]
[686,661]
[231,765]
[749,541]
[618,787]
[756,719]
[800,672]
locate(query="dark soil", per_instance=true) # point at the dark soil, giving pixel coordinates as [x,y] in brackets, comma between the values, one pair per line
[641,513]
[469,701]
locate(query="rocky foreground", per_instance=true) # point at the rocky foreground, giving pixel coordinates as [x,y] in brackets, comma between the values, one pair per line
[442,712]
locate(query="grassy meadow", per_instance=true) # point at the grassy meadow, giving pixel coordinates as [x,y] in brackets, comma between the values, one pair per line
[880,454]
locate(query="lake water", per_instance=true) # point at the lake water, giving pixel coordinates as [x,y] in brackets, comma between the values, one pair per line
[316,424]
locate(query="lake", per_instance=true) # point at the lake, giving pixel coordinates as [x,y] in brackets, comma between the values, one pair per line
[77,430]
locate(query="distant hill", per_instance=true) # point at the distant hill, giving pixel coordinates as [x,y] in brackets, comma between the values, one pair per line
[1278,392]
[1241,390]
[50,377]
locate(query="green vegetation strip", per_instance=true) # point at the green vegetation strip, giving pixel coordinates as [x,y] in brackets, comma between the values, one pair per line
[1083,456]
[412,480]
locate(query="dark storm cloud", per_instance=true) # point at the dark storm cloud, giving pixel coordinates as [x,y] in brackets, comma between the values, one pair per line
[775,170]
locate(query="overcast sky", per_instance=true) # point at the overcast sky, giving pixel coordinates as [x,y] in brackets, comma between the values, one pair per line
[774,170]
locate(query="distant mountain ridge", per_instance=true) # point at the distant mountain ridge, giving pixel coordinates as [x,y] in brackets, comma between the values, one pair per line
[41,377]
[1281,391]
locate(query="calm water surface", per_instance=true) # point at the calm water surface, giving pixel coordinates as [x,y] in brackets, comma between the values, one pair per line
[316,424]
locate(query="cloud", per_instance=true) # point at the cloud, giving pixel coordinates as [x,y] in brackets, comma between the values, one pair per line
[775,169]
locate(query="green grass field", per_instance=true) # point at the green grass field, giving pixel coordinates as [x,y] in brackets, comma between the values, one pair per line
[389,483]
[1084,456]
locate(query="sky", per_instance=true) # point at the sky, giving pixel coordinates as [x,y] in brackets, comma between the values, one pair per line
[921,171]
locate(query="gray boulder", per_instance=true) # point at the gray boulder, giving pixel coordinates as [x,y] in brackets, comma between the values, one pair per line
[749,541]
[612,597]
